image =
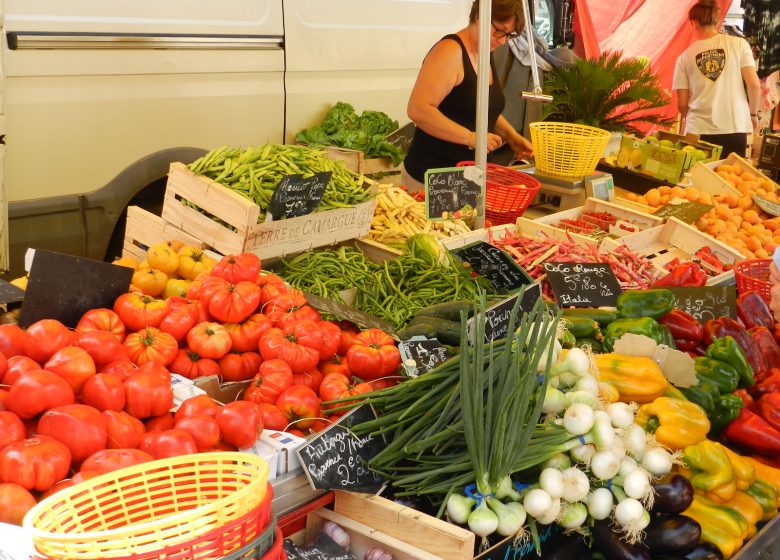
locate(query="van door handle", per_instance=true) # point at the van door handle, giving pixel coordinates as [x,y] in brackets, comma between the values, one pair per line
[18,40]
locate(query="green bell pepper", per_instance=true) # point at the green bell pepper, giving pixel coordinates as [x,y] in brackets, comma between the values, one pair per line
[666,336]
[726,410]
[653,303]
[699,396]
[595,345]
[640,325]
[720,374]
[727,350]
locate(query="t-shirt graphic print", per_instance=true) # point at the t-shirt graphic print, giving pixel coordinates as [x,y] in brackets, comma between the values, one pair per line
[711,63]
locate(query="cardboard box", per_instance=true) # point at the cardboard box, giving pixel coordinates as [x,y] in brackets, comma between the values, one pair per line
[220,392]
[184,389]
[271,455]
[664,156]
[285,445]
[144,229]
[241,231]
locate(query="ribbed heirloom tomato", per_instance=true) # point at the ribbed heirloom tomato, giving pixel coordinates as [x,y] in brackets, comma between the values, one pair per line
[122,429]
[73,364]
[240,423]
[35,463]
[80,427]
[168,443]
[104,391]
[102,346]
[290,307]
[11,428]
[15,502]
[110,460]
[36,391]
[239,367]
[209,340]
[45,337]
[237,268]
[148,391]
[300,405]
[151,345]
[101,319]
[183,315]
[138,311]
[298,344]
[273,377]
[246,334]
[193,261]
[373,354]
[232,303]
[13,340]
[271,286]
[203,428]
[191,365]
[18,365]
[194,406]
[273,418]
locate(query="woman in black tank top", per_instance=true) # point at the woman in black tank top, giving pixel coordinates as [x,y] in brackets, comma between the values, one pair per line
[444,99]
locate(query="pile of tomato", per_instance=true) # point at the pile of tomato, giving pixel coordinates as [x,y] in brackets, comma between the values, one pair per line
[78,403]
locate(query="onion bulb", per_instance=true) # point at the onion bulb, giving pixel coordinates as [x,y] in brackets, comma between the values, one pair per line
[459,508]
[600,503]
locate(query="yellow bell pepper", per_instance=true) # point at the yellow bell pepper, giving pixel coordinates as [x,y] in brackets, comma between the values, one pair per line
[712,470]
[675,423]
[766,496]
[720,525]
[636,378]
[750,509]
[767,474]
[744,472]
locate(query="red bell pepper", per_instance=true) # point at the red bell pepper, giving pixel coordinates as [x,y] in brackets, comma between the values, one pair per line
[685,345]
[766,345]
[769,384]
[769,409]
[747,399]
[752,432]
[683,325]
[684,274]
[726,326]
[753,311]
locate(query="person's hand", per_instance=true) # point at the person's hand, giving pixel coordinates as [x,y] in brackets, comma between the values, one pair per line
[494,142]
[774,304]
[520,146]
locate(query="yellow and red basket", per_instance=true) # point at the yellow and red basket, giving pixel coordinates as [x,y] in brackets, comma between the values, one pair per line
[508,193]
[196,507]
[752,275]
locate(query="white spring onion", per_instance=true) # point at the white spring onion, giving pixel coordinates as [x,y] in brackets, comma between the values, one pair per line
[589,384]
[537,502]
[551,515]
[578,419]
[566,379]
[575,362]
[483,521]
[558,461]
[583,453]
[506,491]
[574,515]
[600,503]
[551,481]
[604,465]
[583,397]
[510,519]
[618,446]
[459,508]
[635,439]
[602,432]
[658,461]
[554,401]
[575,485]
[636,484]
[632,517]
[621,414]
[627,464]
[555,347]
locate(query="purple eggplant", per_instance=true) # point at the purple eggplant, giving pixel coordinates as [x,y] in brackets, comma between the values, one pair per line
[612,547]
[705,551]
[674,496]
[672,534]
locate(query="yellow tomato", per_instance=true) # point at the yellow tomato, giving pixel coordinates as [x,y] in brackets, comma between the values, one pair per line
[150,281]
[162,257]
[193,261]
[176,287]
[128,261]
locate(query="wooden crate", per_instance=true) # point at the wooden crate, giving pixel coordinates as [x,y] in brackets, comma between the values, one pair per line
[484,234]
[356,161]
[676,239]
[423,531]
[704,177]
[271,239]
[143,229]
[364,537]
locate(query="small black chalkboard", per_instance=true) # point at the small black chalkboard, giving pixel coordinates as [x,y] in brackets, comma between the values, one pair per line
[687,211]
[10,293]
[583,284]
[497,316]
[343,311]
[420,355]
[336,458]
[767,206]
[402,137]
[706,302]
[489,261]
[297,196]
[64,287]
[324,549]
[447,190]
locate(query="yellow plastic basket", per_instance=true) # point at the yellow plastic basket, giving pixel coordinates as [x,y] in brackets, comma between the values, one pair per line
[148,507]
[567,149]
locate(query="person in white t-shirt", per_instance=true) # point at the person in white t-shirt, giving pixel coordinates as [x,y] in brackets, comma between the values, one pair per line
[708,79]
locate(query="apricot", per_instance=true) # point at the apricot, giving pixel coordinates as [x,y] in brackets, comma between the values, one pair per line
[751,216]
[653,197]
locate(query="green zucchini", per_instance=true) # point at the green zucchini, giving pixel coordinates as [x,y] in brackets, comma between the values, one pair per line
[581,327]
[449,310]
[447,332]
[602,316]
[421,328]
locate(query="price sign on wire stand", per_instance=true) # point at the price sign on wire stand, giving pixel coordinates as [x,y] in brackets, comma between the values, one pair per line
[297,196]
[706,302]
[452,192]
[494,264]
[420,355]
[583,284]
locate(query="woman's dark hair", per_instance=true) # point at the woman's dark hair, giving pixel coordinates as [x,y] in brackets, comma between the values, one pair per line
[705,12]
[502,10]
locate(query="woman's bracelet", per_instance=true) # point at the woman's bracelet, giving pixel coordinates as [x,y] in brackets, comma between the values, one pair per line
[469,145]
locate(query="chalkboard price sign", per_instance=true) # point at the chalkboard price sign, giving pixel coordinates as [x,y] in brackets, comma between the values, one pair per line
[706,302]
[495,265]
[583,284]
[402,138]
[336,458]
[297,196]
[497,316]
[343,311]
[447,190]
[687,212]
[420,355]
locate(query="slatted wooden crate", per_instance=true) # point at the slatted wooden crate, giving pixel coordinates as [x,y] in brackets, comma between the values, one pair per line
[143,229]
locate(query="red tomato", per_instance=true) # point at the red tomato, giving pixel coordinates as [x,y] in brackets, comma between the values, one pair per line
[80,427]
[148,394]
[102,319]
[36,391]
[121,368]
[273,377]
[209,340]
[378,384]
[240,423]
[110,460]
[272,417]
[3,399]
[232,303]
[151,345]
[239,367]
[320,425]
[170,443]
[18,365]
[45,337]
[246,334]
[35,463]
[73,364]
[191,365]
[196,406]
[349,331]
[203,428]
[202,288]
[333,386]
[123,430]
[331,339]
[3,364]
[297,344]
[373,354]
[311,379]
[296,432]
[159,423]
[13,340]
[138,311]
[103,346]
[237,268]
[11,428]
[181,319]
[80,476]
[336,364]
[104,391]
[15,502]
[300,405]
[271,286]
[285,305]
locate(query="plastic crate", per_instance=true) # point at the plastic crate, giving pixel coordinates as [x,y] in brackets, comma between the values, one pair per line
[753,276]
[508,193]
[567,149]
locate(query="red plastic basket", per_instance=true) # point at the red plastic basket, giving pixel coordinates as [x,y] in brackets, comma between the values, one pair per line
[753,276]
[508,193]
